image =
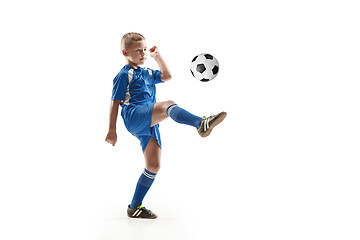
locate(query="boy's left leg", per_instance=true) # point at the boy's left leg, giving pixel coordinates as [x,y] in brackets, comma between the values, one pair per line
[204,125]
[152,156]
[162,110]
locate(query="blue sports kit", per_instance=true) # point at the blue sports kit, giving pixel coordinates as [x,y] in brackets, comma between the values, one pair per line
[136,91]
[135,88]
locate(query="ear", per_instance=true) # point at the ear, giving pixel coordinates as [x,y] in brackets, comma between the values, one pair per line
[124,52]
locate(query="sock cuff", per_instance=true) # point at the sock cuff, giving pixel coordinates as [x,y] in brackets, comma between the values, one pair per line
[149,174]
[168,110]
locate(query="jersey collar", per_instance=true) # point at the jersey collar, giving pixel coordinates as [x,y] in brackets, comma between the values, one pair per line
[136,69]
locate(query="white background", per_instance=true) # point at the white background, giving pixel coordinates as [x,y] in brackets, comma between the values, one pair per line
[283,165]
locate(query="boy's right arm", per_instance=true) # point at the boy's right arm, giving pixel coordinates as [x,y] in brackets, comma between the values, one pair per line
[114,109]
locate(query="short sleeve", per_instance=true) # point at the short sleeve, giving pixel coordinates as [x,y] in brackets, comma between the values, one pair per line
[120,85]
[157,76]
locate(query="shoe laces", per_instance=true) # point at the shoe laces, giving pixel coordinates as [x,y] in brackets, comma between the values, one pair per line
[145,209]
[206,123]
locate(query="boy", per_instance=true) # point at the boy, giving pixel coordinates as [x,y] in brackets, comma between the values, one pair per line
[134,90]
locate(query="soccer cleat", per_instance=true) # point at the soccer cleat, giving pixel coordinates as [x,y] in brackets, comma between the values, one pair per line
[140,212]
[208,123]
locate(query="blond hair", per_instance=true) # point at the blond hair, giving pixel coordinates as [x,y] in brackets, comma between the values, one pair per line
[128,38]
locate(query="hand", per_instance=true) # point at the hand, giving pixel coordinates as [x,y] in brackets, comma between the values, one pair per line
[154,51]
[111,137]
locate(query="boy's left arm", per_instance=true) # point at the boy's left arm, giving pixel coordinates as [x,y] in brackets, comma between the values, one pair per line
[165,72]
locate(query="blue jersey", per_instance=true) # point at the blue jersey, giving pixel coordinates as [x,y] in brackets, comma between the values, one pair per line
[135,86]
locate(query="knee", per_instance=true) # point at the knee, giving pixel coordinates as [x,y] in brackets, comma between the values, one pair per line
[153,167]
[169,103]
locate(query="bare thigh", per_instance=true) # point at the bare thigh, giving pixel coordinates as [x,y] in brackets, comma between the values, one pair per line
[159,112]
[152,156]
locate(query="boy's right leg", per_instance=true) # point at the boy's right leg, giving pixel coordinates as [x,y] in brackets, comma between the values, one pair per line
[152,156]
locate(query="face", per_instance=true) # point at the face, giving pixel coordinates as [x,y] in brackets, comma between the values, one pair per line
[136,53]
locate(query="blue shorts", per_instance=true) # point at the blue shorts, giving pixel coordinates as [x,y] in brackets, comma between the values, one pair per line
[137,120]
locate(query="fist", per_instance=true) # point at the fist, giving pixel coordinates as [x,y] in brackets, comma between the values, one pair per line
[111,138]
[154,51]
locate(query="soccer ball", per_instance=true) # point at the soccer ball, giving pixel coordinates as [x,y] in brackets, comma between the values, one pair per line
[204,67]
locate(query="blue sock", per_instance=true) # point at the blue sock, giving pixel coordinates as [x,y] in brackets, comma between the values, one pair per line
[182,116]
[142,187]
